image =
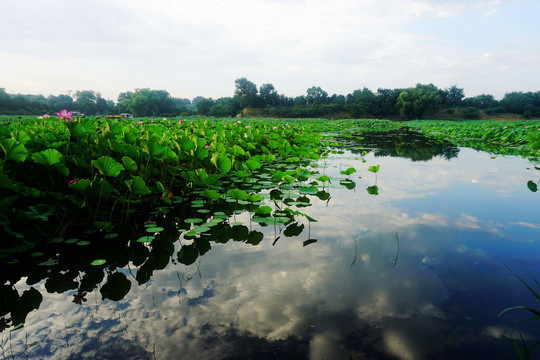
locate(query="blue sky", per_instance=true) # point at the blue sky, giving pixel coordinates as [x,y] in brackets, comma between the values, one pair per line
[199,48]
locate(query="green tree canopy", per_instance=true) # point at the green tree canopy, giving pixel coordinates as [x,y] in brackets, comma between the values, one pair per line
[418,102]
[316,96]
[246,93]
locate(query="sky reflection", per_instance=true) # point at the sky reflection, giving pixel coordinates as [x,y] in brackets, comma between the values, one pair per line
[413,273]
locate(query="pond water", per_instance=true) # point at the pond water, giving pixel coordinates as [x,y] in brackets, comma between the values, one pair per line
[408,264]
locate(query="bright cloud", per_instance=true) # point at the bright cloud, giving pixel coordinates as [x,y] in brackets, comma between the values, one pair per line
[200,48]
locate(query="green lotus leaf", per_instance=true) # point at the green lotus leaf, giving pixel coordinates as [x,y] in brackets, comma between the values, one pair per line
[253,164]
[222,162]
[14,150]
[108,166]
[374,168]
[139,186]
[47,157]
[80,184]
[129,163]
[20,136]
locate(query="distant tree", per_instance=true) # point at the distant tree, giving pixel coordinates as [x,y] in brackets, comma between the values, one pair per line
[226,106]
[246,93]
[517,102]
[268,95]
[420,101]
[86,101]
[483,101]
[386,102]
[204,106]
[316,96]
[197,99]
[364,103]
[60,102]
[143,102]
[451,97]
[300,101]
[337,99]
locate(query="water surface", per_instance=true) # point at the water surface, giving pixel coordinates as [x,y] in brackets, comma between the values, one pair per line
[415,272]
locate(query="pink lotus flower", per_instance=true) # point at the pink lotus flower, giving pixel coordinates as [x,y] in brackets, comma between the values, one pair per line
[275,128]
[265,135]
[140,122]
[64,115]
[207,146]
[180,122]
[238,122]
[248,127]
[46,116]
[72,182]
[526,127]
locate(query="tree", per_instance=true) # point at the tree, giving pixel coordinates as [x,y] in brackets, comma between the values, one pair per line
[452,97]
[364,103]
[226,106]
[316,96]
[203,106]
[268,95]
[420,101]
[245,93]
[143,102]
[85,101]
[483,101]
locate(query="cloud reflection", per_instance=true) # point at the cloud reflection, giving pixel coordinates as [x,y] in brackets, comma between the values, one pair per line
[312,300]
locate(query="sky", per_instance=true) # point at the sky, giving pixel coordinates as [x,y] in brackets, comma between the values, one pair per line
[199,48]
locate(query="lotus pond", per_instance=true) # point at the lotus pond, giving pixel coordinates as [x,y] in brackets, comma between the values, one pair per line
[268,239]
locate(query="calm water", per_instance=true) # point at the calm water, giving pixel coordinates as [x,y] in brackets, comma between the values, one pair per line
[415,272]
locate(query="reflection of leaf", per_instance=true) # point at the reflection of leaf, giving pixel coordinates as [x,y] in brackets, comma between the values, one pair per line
[309,241]
[188,254]
[255,237]
[532,186]
[323,195]
[293,230]
[116,288]
[373,190]
[30,300]
[349,184]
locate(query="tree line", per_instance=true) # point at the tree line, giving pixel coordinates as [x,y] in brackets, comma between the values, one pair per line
[421,101]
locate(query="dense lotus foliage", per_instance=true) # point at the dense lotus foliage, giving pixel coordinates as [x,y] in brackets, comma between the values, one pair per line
[522,135]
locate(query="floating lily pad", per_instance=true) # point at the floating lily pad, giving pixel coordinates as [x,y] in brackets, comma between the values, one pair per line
[200,229]
[49,262]
[193,220]
[98,262]
[71,241]
[37,254]
[154,229]
[111,236]
[146,239]
[83,243]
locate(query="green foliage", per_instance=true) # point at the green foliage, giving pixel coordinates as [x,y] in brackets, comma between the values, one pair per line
[420,101]
[108,166]
[13,150]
